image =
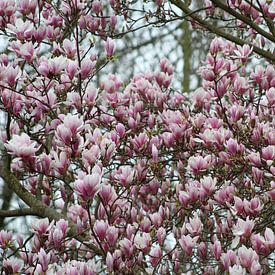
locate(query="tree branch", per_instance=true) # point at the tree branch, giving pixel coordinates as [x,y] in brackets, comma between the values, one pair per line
[40,209]
[244,19]
[219,32]
[18,212]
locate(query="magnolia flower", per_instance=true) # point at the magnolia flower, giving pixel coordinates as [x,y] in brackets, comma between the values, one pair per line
[271,9]
[142,241]
[69,48]
[187,243]
[269,238]
[106,193]
[22,146]
[112,235]
[90,95]
[155,255]
[12,74]
[208,185]
[100,228]
[217,249]
[109,262]
[67,132]
[243,52]
[5,238]
[198,163]
[109,47]
[86,68]
[12,266]
[57,237]
[154,153]
[228,259]
[44,259]
[125,175]
[73,123]
[72,69]
[97,6]
[88,186]
[161,235]
[237,270]
[243,228]
[195,226]
[90,156]
[21,28]
[247,256]
[126,247]
[41,226]
[268,153]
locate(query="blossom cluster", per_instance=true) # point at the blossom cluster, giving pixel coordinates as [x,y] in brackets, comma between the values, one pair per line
[153,180]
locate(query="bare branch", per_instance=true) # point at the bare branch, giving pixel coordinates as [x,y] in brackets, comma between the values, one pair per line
[244,19]
[18,212]
[213,29]
[38,207]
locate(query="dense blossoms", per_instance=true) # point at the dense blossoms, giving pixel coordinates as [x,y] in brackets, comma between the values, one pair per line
[133,176]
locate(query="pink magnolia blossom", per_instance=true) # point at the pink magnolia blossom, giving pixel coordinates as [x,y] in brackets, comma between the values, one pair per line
[217,249]
[41,227]
[25,50]
[270,94]
[109,262]
[155,256]
[258,243]
[268,153]
[125,175]
[198,164]
[109,47]
[69,48]
[143,241]
[243,52]
[57,237]
[44,259]
[248,257]
[20,28]
[131,174]
[97,6]
[194,226]
[252,207]
[187,243]
[269,238]
[154,153]
[12,74]
[91,156]
[202,250]
[208,185]
[237,270]
[112,235]
[161,235]
[88,186]
[100,228]
[22,146]
[216,45]
[126,247]
[243,228]
[5,239]
[86,68]
[228,259]
[72,69]
[61,162]
[12,265]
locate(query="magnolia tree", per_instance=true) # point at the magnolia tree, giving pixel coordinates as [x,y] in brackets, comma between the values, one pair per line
[136,177]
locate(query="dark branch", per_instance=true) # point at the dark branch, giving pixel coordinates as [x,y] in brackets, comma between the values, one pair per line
[213,29]
[18,212]
[244,19]
[40,209]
